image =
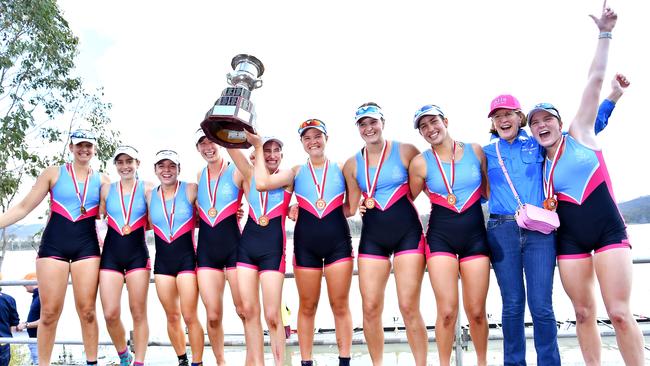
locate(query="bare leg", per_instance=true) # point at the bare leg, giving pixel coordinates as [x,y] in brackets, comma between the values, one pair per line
[211,285]
[339,280]
[272,298]
[249,290]
[475,275]
[137,284]
[169,299]
[308,282]
[409,271]
[188,291]
[52,280]
[85,279]
[373,276]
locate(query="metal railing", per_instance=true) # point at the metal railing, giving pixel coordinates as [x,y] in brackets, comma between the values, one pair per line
[461,341]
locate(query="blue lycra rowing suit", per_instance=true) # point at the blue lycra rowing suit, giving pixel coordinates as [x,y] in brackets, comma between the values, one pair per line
[321,236]
[458,230]
[175,252]
[219,236]
[262,247]
[589,218]
[126,252]
[393,226]
[70,235]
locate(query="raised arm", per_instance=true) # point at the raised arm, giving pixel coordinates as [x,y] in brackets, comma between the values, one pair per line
[582,126]
[264,181]
[619,84]
[32,199]
[244,166]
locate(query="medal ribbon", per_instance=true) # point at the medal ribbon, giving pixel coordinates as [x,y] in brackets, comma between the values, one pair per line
[371,188]
[264,198]
[127,214]
[80,196]
[448,185]
[548,183]
[320,187]
[169,218]
[212,194]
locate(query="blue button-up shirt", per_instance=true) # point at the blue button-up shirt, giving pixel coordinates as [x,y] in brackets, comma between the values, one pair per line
[523,160]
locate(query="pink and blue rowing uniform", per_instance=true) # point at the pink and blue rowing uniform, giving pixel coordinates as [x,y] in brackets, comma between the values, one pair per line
[70,235]
[589,218]
[175,252]
[393,226]
[219,236]
[456,230]
[321,236]
[125,252]
[262,247]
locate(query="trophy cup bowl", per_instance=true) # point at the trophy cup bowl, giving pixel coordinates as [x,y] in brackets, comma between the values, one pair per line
[233,112]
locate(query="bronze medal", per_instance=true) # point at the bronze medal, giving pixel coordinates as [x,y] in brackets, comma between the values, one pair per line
[126,229]
[550,204]
[82,209]
[370,203]
[451,199]
[264,220]
[212,212]
[320,204]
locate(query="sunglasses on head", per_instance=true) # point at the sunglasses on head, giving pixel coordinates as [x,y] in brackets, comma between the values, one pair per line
[428,108]
[82,134]
[312,123]
[367,110]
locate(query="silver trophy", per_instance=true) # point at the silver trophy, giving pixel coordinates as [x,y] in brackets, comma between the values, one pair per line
[233,111]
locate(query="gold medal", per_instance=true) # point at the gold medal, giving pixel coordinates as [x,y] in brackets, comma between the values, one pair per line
[370,202]
[320,204]
[212,212]
[550,204]
[264,220]
[126,229]
[82,209]
[451,199]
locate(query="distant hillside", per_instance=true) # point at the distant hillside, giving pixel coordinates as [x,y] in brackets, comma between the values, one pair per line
[21,231]
[636,211]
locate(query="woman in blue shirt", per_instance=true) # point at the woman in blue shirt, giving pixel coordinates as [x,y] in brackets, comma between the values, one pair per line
[517,252]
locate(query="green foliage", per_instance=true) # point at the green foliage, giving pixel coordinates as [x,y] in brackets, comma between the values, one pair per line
[37,90]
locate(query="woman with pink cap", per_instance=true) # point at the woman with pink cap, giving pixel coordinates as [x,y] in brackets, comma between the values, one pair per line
[69,244]
[391,227]
[592,242]
[453,174]
[523,260]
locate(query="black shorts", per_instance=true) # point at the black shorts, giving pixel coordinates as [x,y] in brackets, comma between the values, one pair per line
[69,241]
[396,230]
[176,257]
[318,242]
[126,253]
[262,247]
[595,225]
[461,235]
[217,246]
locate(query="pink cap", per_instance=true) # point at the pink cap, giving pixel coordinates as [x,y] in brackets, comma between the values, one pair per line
[505,101]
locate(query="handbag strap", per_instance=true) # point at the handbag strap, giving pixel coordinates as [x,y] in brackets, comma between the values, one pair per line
[505,172]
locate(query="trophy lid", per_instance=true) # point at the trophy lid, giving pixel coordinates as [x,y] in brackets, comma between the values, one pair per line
[242,57]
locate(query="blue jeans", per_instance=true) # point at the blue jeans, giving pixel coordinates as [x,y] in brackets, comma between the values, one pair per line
[516,253]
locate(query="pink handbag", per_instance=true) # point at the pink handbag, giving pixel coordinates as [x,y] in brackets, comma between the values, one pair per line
[536,218]
[529,216]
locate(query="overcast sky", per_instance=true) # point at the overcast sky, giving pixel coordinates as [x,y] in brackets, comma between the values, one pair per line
[163,65]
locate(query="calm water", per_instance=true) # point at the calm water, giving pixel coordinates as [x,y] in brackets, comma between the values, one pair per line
[18,263]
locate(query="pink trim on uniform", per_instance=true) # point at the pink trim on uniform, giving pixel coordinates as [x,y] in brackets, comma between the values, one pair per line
[60,209]
[346,259]
[110,270]
[138,269]
[281,270]
[624,245]
[187,272]
[573,256]
[372,256]
[472,257]
[53,257]
[87,257]
[247,265]
[231,268]
[400,192]
[307,268]
[208,269]
[420,249]
[442,254]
